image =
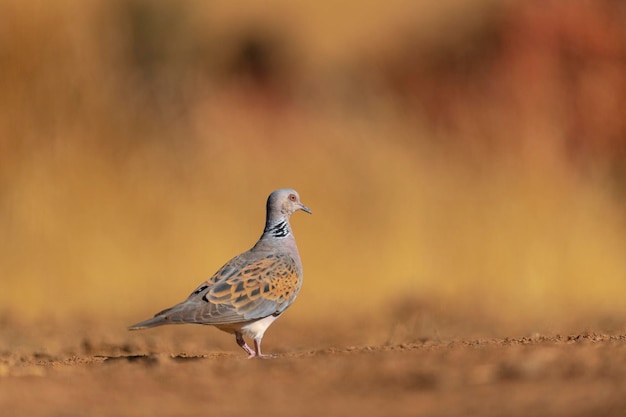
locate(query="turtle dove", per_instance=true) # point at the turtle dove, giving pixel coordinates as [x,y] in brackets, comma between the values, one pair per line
[253,289]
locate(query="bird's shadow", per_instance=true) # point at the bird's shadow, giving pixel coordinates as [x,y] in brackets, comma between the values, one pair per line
[152,359]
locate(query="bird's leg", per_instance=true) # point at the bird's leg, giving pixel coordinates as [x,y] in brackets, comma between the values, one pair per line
[242,343]
[257,349]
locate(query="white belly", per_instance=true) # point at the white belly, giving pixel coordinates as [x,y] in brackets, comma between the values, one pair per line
[254,329]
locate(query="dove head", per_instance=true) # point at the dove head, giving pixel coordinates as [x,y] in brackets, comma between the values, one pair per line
[283,203]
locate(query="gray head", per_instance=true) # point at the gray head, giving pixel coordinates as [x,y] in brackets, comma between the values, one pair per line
[283,203]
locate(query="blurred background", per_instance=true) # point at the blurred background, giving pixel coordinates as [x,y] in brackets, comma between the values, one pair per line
[460,158]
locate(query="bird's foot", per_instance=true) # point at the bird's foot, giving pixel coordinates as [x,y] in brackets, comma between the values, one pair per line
[263,355]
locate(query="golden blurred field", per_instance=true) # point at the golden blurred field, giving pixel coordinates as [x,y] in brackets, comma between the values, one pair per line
[466,167]
[472,169]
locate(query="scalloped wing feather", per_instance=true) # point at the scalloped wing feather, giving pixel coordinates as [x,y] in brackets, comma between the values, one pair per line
[240,291]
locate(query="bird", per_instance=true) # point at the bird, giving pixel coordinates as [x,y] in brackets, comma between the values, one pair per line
[248,293]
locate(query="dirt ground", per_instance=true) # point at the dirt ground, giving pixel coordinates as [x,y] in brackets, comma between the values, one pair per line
[358,367]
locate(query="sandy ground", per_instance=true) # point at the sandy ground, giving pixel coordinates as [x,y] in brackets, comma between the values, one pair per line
[97,368]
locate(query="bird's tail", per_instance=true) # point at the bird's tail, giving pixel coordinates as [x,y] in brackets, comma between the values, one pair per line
[159,319]
[153,322]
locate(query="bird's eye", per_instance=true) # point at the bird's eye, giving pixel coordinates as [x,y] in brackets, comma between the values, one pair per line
[292,197]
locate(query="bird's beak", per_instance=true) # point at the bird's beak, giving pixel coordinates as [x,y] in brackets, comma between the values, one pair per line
[305,208]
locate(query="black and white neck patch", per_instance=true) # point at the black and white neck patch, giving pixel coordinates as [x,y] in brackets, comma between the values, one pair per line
[280,229]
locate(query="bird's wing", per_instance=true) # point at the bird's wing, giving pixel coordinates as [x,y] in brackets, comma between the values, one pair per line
[241,291]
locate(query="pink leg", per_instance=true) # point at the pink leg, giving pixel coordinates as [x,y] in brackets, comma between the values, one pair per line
[242,343]
[257,348]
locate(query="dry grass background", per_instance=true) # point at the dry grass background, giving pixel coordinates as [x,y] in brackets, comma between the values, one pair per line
[139,140]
